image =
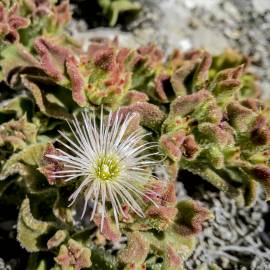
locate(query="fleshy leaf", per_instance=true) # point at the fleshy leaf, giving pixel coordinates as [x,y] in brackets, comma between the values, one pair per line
[74,255]
[191,216]
[18,133]
[58,238]
[136,250]
[30,230]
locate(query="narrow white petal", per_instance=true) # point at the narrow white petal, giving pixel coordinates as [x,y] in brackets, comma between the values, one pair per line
[96,195]
[114,167]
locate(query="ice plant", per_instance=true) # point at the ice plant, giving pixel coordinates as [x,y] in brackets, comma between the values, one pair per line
[205,113]
[112,165]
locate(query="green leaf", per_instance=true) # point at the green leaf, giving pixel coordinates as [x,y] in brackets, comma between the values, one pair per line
[29,229]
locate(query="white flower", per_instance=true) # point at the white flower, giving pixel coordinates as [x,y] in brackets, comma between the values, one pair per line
[113,167]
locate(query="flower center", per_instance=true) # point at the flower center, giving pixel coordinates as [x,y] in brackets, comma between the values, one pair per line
[107,168]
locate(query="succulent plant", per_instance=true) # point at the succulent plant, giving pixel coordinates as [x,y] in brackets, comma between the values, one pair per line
[219,130]
[204,113]
[24,20]
[112,8]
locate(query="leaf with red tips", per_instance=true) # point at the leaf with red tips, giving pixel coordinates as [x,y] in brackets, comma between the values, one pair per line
[62,14]
[160,217]
[77,81]
[171,143]
[190,218]
[133,96]
[151,116]
[200,77]
[262,174]
[18,133]
[109,230]
[52,57]
[136,250]
[49,108]
[11,22]
[172,260]
[187,104]
[162,87]
[239,116]
[74,255]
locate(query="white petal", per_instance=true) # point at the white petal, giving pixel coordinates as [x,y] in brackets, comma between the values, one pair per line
[94,143]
